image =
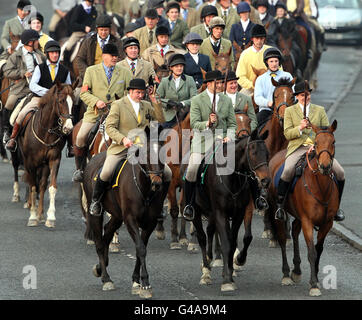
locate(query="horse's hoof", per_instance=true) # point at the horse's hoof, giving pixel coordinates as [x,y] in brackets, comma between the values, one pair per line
[41,219]
[296,277]
[136,287]
[96,271]
[225,287]
[5,160]
[114,248]
[33,223]
[273,244]
[217,263]
[145,292]
[26,205]
[315,292]
[160,235]
[287,281]
[184,242]
[108,286]
[235,273]
[175,246]
[259,212]
[236,265]
[266,234]
[15,198]
[50,223]
[90,243]
[193,247]
[205,281]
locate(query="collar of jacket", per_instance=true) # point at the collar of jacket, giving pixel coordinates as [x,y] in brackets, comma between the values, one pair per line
[183,77]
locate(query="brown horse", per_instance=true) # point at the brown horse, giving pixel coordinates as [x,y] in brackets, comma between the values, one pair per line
[41,143]
[137,201]
[314,203]
[285,45]
[222,61]
[238,51]
[161,72]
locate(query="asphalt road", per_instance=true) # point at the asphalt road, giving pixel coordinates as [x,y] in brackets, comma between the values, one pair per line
[63,262]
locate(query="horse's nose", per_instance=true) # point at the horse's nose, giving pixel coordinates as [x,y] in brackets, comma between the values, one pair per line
[156,183]
[265,182]
[68,126]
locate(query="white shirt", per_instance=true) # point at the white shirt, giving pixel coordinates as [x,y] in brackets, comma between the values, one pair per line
[135,105]
[165,49]
[195,57]
[170,24]
[262,15]
[215,43]
[244,23]
[177,82]
[212,3]
[130,61]
[232,96]
[99,39]
[85,6]
[28,56]
[211,96]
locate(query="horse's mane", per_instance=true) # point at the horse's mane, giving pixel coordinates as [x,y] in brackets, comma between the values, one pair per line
[285,81]
[48,98]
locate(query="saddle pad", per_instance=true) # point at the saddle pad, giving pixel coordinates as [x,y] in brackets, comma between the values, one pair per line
[117,173]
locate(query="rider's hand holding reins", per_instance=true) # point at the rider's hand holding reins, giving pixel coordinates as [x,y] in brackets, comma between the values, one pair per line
[100,104]
[127,142]
[304,123]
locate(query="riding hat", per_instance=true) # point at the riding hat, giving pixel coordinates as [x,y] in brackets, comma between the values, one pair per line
[130,27]
[192,37]
[262,3]
[29,35]
[280,4]
[272,53]
[111,49]
[216,22]
[301,87]
[176,59]
[151,14]
[137,84]
[213,75]
[131,41]
[231,76]
[243,7]
[208,11]
[38,16]
[162,30]
[52,46]
[103,21]
[258,31]
[23,3]
[154,4]
[172,5]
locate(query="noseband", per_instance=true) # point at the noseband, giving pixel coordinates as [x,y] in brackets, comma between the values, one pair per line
[254,168]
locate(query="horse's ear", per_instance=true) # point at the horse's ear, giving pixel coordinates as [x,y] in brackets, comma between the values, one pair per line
[292,83]
[229,53]
[155,65]
[59,85]
[274,82]
[267,25]
[255,70]
[334,126]
[246,107]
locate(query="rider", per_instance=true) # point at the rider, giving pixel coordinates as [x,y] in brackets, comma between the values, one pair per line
[241,31]
[264,89]
[252,57]
[90,51]
[15,25]
[301,137]
[207,13]
[177,89]
[215,44]
[100,85]
[188,14]
[162,50]
[119,125]
[19,69]
[44,77]
[263,9]
[177,26]
[139,67]
[228,14]
[194,60]
[287,27]
[202,119]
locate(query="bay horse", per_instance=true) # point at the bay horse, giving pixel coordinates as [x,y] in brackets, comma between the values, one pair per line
[223,61]
[283,97]
[238,51]
[137,201]
[224,197]
[41,143]
[313,203]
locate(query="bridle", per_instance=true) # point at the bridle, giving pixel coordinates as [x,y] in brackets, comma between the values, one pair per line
[243,129]
[277,108]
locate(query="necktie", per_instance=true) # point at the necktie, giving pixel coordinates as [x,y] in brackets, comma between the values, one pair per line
[150,37]
[52,71]
[161,52]
[34,59]
[103,42]
[88,10]
[139,116]
[185,13]
[133,68]
[172,25]
[109,74]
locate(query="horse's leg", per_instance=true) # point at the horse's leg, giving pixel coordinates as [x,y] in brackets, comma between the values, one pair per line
[210,231]
[174,211]
[193,246]
[114,244]
[267,233]
[248,237]
[218,260]
[54,168]
[15,161]
[297,272]
[236,223]
[183,237]
[42,187]
[307,227]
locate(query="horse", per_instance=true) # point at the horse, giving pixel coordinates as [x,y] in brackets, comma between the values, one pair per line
[225,197]
[313,203]
[137,201]
[239,50]
[162,71]
[285,43]
[41,142]
[222,61]
[283,97]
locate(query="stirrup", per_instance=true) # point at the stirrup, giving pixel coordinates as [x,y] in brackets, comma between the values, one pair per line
[93,210]
[6,137]
[15,145]
[264,204]
[189,217]
[280,214]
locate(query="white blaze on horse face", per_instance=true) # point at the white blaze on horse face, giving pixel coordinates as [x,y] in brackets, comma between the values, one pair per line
[68,125]
[241,118]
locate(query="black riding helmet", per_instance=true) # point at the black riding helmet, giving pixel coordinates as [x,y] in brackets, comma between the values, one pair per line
[29,35]
[38,16]
[272,53]
[208,11]
[52,46]
[131,41]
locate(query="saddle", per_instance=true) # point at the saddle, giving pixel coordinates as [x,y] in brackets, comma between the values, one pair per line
[93,132]
[20,103]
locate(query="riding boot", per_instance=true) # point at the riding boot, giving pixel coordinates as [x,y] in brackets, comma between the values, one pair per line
[283,188]
[340,214]
[80,159]
[6,125]
[189,211]
[260,202]
[95,208]
[11,144]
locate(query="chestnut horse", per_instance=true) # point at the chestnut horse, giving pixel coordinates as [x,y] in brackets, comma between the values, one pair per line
[137,201]
[313,203]
[238,51]
[41,143]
